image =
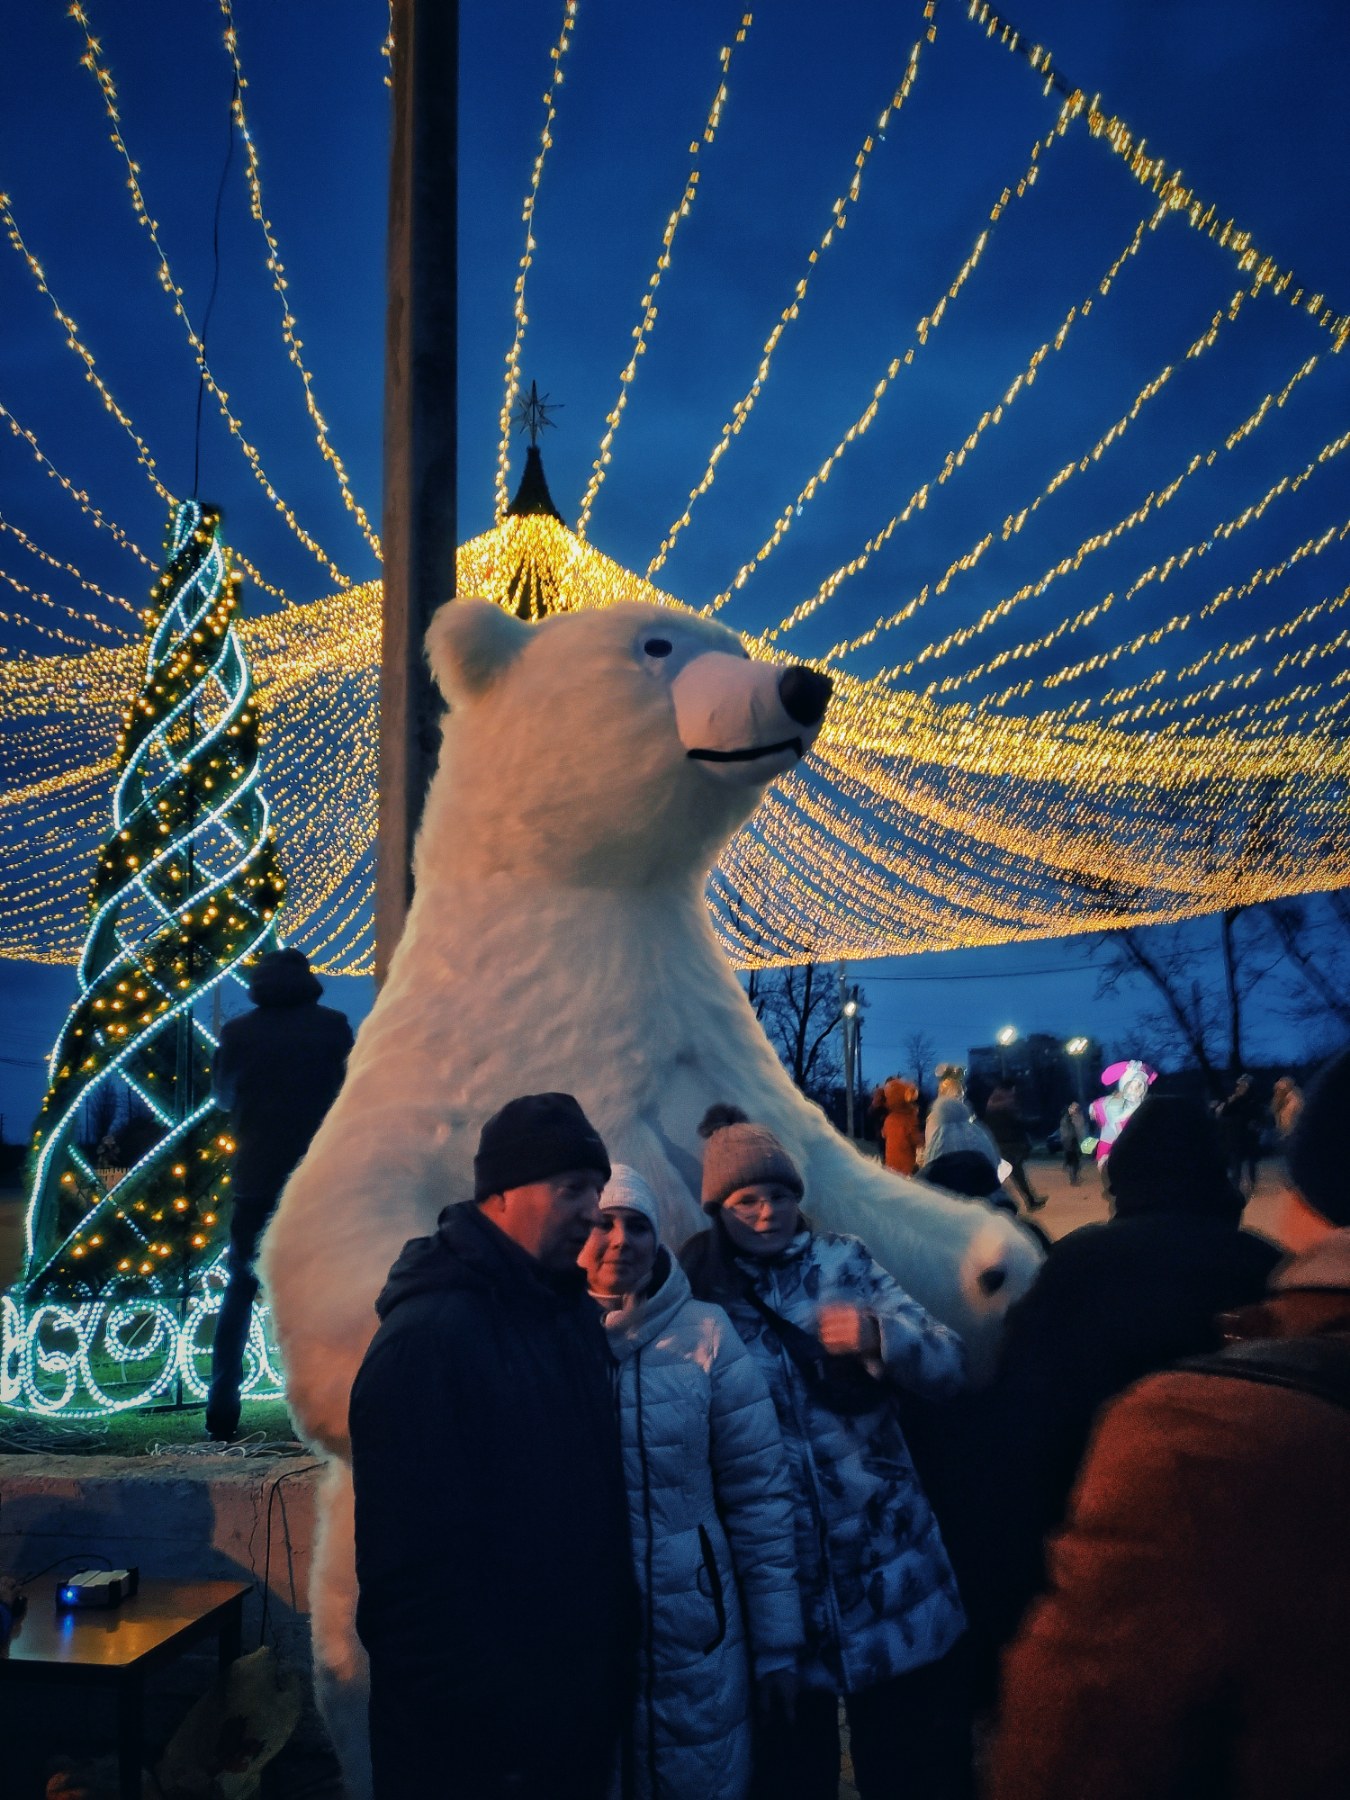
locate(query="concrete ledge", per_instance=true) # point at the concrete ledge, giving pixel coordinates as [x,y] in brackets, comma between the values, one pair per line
[178,1517]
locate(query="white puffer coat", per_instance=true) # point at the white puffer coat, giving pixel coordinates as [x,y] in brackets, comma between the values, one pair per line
[712,1521]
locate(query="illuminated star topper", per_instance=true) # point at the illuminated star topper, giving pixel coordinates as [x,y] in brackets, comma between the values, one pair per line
[532,412]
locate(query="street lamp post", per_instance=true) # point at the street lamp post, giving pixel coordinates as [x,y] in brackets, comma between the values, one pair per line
[850,1054]
[1077,1049]
[1007,1036]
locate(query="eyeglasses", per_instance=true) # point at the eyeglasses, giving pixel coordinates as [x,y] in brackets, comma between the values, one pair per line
[771,1203]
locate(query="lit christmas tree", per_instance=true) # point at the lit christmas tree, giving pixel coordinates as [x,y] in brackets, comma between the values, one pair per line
[118,1279]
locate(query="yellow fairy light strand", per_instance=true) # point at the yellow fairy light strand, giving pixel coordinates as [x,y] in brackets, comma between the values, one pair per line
[76,343]
[1152,172]
[956,459]
[78,495]
[922,331]
[1079,824]
[1261,577]
[66,568]
[91,60]
[1153,502]
[92,621]
[277,270]
[838,219]
[646,323]
[556,55]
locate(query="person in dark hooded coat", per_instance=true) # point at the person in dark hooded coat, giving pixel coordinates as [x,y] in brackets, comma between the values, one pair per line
[1113,1302]
[497,1600]
[276,1071]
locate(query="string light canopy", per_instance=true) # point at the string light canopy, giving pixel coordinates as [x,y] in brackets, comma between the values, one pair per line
[1049,760]
[919,824]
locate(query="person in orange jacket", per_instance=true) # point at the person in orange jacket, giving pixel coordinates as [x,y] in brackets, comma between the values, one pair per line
[901,1132]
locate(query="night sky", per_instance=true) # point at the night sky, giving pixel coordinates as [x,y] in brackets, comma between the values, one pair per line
[1245,97]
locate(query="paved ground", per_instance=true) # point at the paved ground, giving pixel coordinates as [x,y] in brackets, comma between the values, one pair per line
[1069,1206]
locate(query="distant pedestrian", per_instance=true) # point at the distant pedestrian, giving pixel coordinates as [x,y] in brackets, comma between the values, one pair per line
[1195,1640]
[497,1602]
[1072,1131]
[1239,1127]
[276,1071]
[834,1335]
[710,1506]
[1286,1103]
[962,1157]
[1004,1118]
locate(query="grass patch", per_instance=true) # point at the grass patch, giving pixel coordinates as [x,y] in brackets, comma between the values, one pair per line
[136,1432]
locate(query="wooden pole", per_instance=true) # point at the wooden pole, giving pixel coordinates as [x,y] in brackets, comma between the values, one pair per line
[419,525]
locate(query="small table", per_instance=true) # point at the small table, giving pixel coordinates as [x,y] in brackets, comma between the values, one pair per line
[120,1647]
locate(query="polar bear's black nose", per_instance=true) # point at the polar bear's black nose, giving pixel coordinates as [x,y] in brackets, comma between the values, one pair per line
[804,694]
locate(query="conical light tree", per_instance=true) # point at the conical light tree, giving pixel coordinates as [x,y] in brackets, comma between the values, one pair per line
[117,1281]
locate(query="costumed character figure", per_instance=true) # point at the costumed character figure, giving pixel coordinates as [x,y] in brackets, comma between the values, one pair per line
[951,1080]
[1129,1081]
[901,1132]
[592,768]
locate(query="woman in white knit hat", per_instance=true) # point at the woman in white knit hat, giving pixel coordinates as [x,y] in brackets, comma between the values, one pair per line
[710,1508]
[834,1336]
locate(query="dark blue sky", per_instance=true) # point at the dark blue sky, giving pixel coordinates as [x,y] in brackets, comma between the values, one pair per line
[1245,97]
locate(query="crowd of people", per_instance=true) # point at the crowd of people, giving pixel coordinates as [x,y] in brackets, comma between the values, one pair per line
[638,1523]
[646,1521]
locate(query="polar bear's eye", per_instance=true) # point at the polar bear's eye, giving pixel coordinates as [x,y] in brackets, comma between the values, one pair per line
[658,646]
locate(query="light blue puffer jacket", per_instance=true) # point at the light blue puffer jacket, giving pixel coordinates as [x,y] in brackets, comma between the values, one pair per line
[712,1523]
[877,1587]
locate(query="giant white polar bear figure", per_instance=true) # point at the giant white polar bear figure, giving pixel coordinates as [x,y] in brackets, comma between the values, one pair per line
[592,767]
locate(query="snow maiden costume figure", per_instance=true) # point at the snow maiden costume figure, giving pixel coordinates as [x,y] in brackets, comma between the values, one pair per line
[1130,1082]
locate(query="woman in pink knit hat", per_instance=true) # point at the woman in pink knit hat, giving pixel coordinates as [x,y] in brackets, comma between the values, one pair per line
[835,1337]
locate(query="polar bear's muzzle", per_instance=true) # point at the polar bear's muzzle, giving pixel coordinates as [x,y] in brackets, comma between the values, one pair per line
[744,720]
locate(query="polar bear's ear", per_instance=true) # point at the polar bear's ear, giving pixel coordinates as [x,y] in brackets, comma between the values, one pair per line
[469,643]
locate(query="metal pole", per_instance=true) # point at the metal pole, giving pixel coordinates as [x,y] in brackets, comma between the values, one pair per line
[419,525]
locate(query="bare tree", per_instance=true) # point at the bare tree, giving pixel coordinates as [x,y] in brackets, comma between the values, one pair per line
[1187,1017]
[1318,949]
[920,1055]
[1202,1019]
[801,1015]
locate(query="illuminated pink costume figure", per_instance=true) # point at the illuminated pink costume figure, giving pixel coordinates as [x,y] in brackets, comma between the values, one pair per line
[1130,1081]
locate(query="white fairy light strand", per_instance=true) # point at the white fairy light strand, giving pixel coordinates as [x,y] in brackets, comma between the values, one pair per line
[281,284]
[838,219]
[647,322]
[556,55]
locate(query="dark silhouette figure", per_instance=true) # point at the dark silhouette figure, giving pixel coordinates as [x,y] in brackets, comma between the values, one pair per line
[1113,1302]
[1239,1119]
[1004,1119]
[277,1071]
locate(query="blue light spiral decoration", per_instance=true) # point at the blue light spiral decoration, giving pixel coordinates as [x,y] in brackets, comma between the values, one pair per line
[123,1265]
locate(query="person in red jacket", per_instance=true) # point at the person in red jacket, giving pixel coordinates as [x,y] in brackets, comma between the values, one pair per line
[1195,1641]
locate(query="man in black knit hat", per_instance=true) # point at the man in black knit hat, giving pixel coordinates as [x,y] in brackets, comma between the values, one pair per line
[497,1601]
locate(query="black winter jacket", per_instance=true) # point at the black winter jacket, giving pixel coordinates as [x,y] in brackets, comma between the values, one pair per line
[1112,1303]
[276,1071]
[497,1599]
